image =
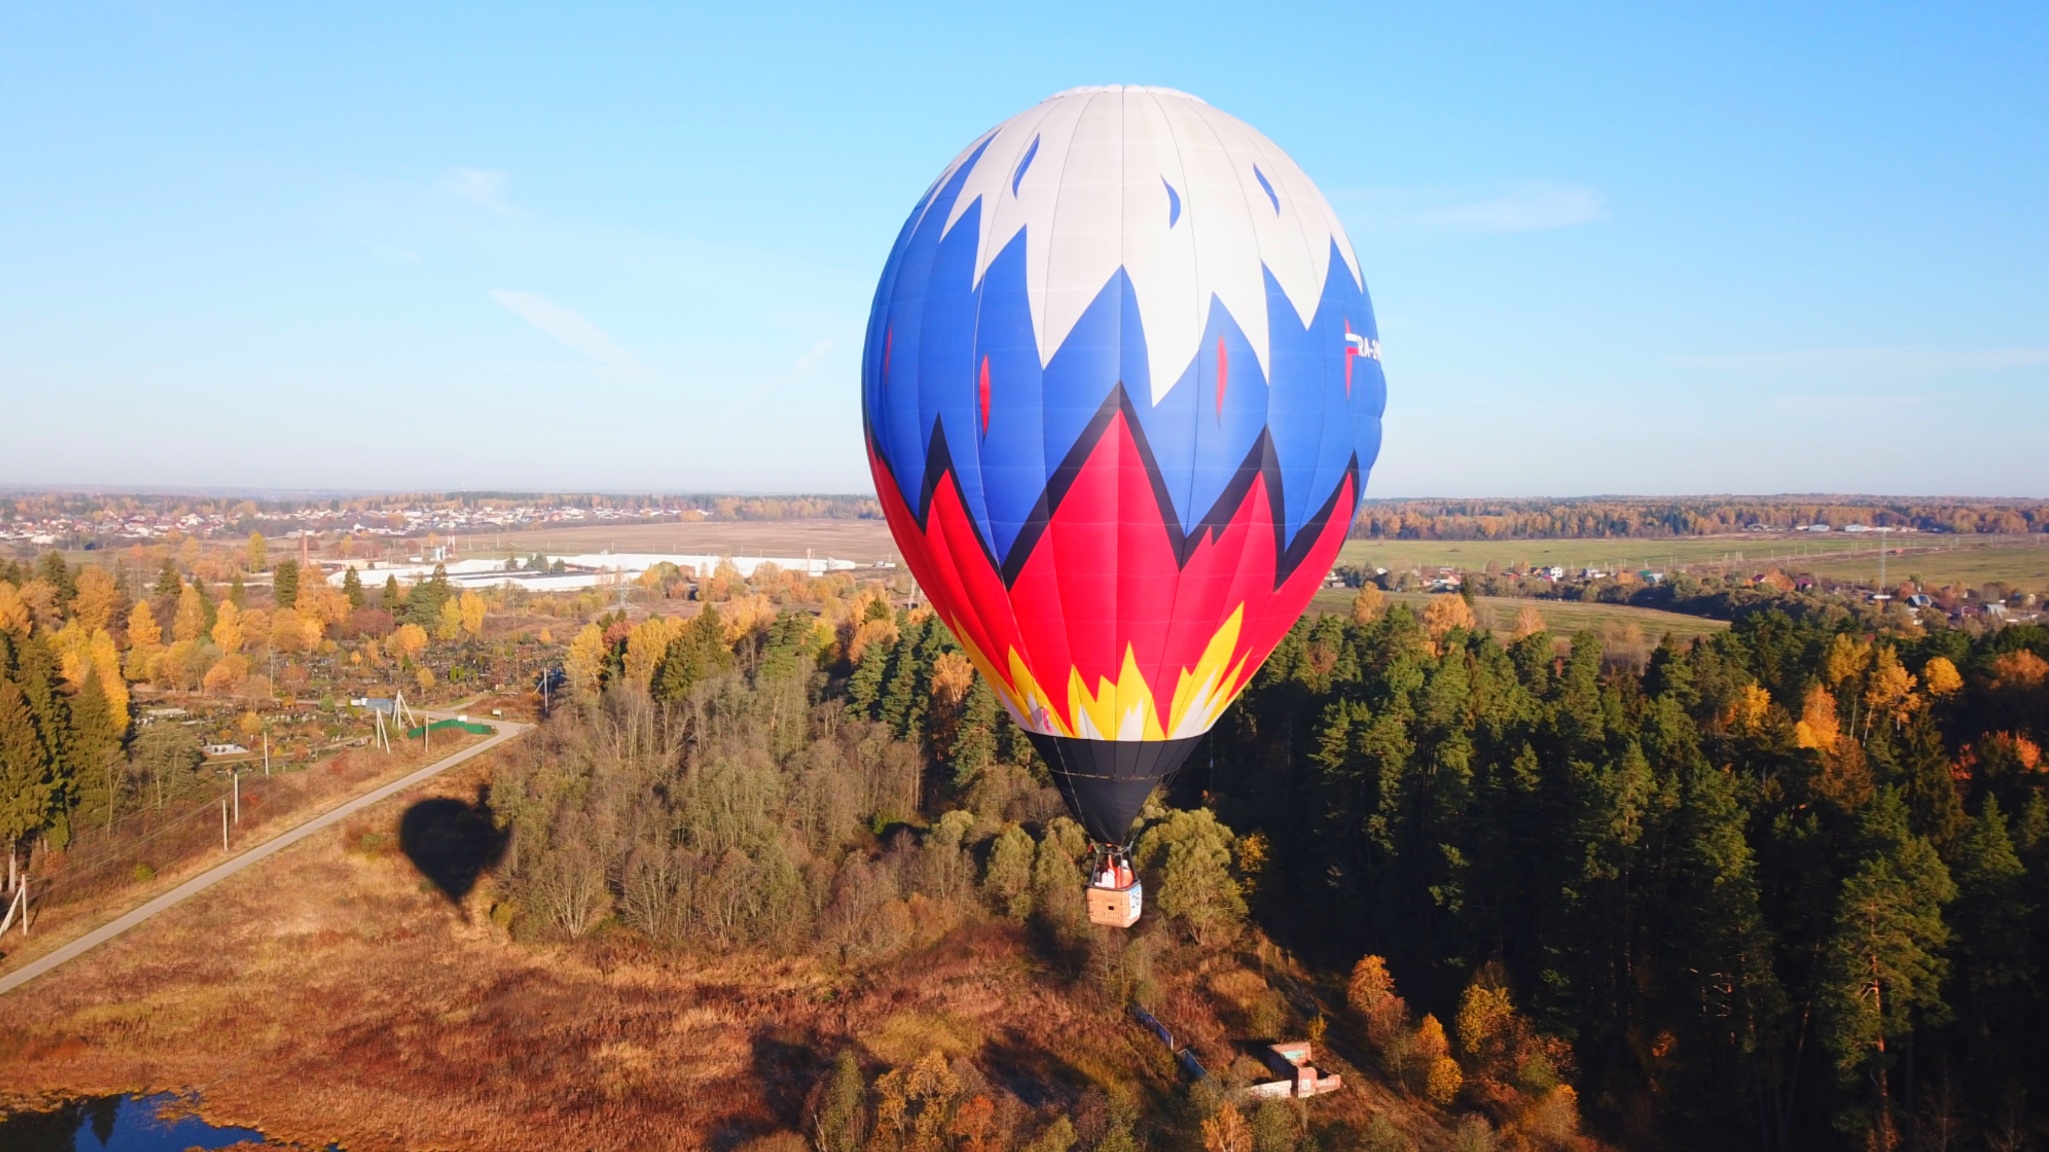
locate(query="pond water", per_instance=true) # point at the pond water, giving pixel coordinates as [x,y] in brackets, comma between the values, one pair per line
[161,1123]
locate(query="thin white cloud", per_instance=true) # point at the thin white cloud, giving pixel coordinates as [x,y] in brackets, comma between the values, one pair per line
[798,368]
[393,254]
[1532,206]
[570,328]
[483,187]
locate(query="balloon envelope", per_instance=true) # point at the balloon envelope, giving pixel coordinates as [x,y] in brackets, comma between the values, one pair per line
[1121,389]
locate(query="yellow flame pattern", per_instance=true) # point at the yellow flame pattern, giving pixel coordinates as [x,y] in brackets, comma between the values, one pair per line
[1124,708]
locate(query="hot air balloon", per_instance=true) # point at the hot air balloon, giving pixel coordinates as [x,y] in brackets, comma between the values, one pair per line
[1121,392]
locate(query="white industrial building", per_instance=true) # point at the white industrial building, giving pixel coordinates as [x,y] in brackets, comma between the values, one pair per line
[586,570]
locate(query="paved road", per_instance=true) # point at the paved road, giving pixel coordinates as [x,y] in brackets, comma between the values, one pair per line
[507,730]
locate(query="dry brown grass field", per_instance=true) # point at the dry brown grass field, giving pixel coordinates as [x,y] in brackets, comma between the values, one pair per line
[332,994]
[96,879]
[863,541]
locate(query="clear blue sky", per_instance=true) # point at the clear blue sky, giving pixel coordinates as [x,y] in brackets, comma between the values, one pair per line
[1613,249]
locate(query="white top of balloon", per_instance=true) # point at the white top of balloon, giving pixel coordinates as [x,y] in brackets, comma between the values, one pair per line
[1194,204]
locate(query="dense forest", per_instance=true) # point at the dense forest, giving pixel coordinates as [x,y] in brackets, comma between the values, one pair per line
[1635,516]
[1783,887]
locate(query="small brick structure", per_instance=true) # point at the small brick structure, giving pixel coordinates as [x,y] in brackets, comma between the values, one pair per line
[1290,1061]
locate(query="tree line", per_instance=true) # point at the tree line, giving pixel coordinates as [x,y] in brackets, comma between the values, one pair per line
[1612,516]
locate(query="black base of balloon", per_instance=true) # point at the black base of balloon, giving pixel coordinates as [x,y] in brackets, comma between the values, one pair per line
[1105,782]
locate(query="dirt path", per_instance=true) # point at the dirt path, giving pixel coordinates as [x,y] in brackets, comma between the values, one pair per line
[507,730]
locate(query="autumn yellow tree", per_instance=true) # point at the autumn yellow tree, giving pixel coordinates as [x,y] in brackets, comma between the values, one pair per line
[145,641]
[97,597]
[287,632]
[226,676]
[1227,1131]
[473,615]
[227,628]
[1890,692]
[882,631]
[190,621]
[1442,1077]
[40,596]
[912,1102]
[1529,622]
[1447,613]
[952,675]
[1371,993]
[1753,704]
[448,625]
[14,611]
[1368,604]
[1939,676]
[406,642]
[1485,1025]
[318,600]
[1818,726]
[258,556]
[584,663]
[1846,659]
[645,646]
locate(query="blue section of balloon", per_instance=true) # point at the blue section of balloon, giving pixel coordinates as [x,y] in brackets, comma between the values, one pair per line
[934,332]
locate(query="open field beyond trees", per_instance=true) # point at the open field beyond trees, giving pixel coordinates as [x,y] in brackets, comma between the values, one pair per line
[1933,559]
[1562,617]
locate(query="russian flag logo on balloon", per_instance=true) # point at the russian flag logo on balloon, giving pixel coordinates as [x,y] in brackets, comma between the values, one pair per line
[1122,391]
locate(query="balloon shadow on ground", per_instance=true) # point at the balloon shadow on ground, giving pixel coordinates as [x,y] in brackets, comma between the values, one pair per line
[452,843]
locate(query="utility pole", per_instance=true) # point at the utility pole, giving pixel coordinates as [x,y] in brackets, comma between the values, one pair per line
[237,776]
[224,825]
[266,753]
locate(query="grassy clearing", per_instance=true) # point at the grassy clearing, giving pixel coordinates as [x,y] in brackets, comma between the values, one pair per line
[1562,617]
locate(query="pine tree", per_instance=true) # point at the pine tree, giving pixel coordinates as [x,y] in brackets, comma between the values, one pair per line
[209,612]
[1882,965]
[169,583]
[864,688]
[1933,808]
[1996,964]
[696,653]
[36,673]
[352,587]
[389,600]
[96,751]
[52,569]
[284,583]
[27,777]
[974,746]
[237,594]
